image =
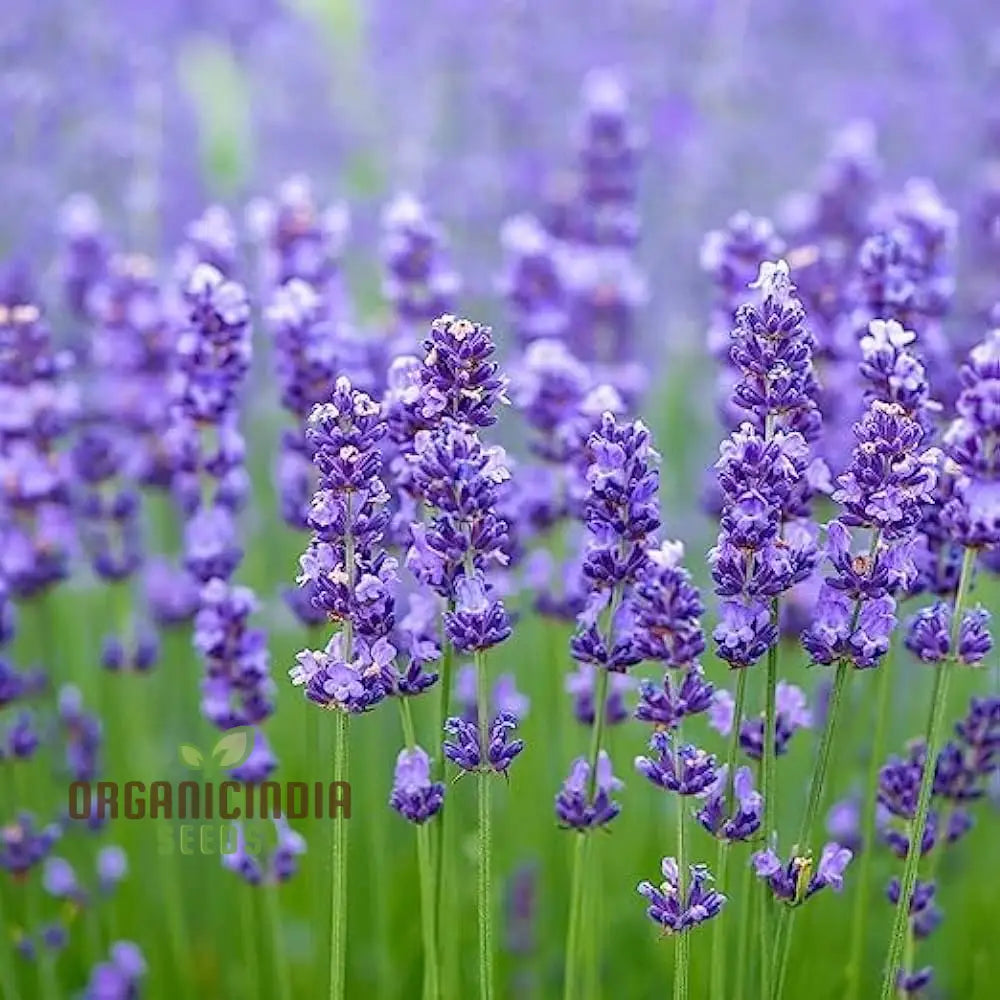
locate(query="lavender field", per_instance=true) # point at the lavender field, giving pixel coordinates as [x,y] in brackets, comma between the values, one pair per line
[499,500]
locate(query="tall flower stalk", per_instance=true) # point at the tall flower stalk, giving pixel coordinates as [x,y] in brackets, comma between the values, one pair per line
[621,514]
[883,491]
[972,516]
[352,577]
[766,478]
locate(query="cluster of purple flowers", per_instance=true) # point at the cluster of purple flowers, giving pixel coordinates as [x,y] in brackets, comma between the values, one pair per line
[351,573]
[39,408]
[963,771]
[766,473]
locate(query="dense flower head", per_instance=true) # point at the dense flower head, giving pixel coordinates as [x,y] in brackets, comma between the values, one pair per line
[893,372]
[213,351]
[773,351]
[464,747]
[335,681]
[666,609]
[735,820]
[840,630]
[351,574]
[681,768]
[890,477]
[798,879]
[585,802]
[479,621]
[979,734]
[458,377]
[237,689]
[929,634]
[972,514]
[622,509]
[414,796]
[745,632]
[678,912]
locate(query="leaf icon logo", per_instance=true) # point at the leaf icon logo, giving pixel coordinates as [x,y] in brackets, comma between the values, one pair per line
[233,747]
[191,756]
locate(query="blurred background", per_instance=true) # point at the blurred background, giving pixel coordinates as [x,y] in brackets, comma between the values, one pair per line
[160,109]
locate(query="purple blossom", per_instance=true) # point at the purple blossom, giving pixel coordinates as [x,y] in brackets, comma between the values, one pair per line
[684,769]
[747,811]
[464,748]
[118,978]
[414,796]
[579,808]
[929,634]
[796,881]
[677,914]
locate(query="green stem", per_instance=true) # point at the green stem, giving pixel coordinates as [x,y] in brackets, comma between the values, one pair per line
[443,882]
[485,835]
[425,862]
[786,922]
[425,867]
[580,867]
[769,790]
[252,980]
[743,943]
[273,902]
[857,955]
[718,987]
[580,852]
[338,880]
[934,737]
[682,941]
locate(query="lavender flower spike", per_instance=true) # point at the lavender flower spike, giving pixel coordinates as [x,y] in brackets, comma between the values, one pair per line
[414,796]
[677,915]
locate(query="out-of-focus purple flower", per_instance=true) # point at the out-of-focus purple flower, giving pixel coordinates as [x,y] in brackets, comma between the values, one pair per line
[23,845]
[120,977]
[580,686]
[414,796]
[972,514]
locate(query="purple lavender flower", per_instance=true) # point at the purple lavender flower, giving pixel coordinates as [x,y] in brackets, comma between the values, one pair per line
[297,239]
[351,573]
[668,703]
[414,796]
[82,734]
[793,883]
[112,867]
[580,686]
[684,769]
[478,622]
[84,251]
[674,913]
[237,689]
[23,845]
[577,807]
[118,978]
[532,282]
[747,811]
[929,635]
[972,514]
[465,747]
[59,880]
